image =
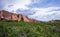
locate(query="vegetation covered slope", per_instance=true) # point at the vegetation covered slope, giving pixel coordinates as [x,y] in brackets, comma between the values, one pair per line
[31,29]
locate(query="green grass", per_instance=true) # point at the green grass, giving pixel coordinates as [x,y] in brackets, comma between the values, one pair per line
[31,29]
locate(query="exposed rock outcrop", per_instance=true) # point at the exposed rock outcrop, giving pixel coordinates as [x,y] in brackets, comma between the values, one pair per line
[12,16]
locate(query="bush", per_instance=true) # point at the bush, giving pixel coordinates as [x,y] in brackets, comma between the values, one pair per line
[31,29]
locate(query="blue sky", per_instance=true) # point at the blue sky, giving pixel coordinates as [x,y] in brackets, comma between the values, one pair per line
[42,10]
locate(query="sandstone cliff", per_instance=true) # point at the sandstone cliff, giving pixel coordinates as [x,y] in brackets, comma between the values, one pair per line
[12,16]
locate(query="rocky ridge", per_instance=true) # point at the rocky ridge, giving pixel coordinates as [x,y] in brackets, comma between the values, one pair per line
[12,16]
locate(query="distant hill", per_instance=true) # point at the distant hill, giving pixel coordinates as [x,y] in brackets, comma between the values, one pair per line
[55,21]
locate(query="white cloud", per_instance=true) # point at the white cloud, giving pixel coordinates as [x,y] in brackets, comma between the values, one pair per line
[13,5]
[45,13]
[37,1]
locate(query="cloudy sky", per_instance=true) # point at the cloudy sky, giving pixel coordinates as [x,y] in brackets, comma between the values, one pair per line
[42,10]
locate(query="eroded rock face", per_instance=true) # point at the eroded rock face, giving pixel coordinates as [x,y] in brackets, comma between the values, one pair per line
[19,17]
[12,16]
[7,15]
[4,15]
[26,19]
[1,14]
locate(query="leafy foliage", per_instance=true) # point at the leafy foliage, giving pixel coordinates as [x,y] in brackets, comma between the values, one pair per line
[29,29]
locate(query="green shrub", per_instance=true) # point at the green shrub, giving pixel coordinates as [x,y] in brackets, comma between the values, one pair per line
[30,29]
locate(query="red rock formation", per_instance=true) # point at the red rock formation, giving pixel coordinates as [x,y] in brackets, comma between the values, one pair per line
[1,14]
[26,19]
[19,17]
[6,15]
[12,16]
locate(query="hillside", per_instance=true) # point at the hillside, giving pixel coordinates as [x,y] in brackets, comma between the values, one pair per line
[29,29]
[6,15]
